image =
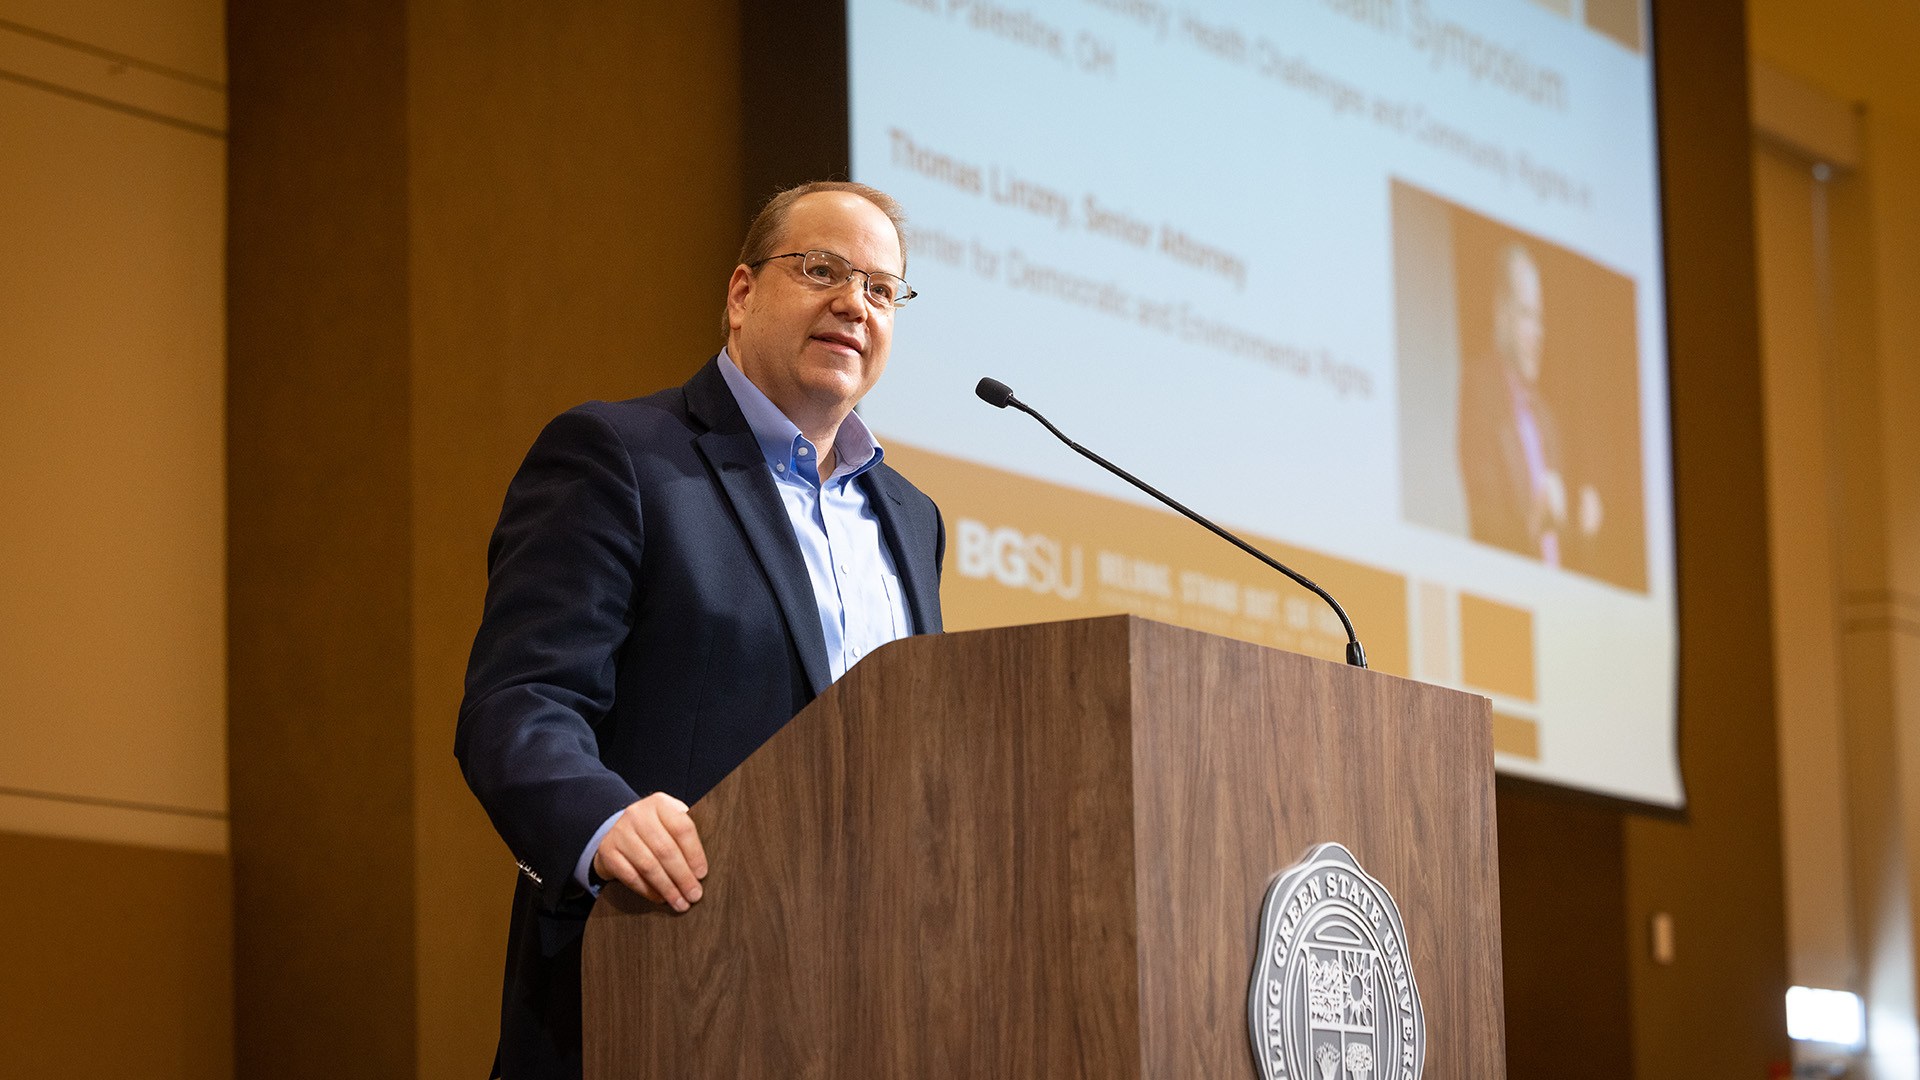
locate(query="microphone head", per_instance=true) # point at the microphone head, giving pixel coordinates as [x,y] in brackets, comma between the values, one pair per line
[995,393]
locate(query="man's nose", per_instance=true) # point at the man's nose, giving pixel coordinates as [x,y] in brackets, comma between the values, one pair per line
[850,298]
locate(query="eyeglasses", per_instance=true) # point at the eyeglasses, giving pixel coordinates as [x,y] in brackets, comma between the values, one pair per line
[829,271]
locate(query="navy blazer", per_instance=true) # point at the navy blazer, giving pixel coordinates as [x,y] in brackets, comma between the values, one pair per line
[649,622]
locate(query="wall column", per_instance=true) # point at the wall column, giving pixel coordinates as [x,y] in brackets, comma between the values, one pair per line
[1876,264]
[320,531]
[449,222]
[1717,1008]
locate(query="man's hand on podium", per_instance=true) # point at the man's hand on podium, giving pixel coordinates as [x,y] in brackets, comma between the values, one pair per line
[654,850]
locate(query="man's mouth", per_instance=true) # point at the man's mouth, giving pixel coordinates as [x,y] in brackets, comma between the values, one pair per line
[846,341]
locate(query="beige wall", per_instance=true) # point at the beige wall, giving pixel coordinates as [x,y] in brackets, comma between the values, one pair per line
[1842,265]
[113,793]
[1802,484]
[111,416]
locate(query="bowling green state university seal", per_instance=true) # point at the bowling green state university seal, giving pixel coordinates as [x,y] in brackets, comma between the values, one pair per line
[1333,995]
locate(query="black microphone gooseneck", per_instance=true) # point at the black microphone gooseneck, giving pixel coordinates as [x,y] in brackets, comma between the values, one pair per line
[999,395]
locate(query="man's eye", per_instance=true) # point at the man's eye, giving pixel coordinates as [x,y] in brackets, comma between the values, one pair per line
[823,274]
[883,290]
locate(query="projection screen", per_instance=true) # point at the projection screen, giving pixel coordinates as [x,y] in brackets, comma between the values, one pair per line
[1375,282]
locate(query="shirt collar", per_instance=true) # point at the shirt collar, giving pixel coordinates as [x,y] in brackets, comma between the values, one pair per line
[780,437]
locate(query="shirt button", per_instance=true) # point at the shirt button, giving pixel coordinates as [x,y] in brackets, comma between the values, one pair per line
[779,468]
[802,451]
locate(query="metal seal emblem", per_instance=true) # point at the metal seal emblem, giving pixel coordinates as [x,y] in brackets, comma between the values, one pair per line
[1333,996]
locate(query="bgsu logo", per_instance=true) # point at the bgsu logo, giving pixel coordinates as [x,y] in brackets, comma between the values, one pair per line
[1020,560]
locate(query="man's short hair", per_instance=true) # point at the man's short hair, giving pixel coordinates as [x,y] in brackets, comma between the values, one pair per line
[764,232]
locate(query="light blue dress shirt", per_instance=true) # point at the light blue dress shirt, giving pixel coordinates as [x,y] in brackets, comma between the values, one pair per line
[862,605]
[855,585]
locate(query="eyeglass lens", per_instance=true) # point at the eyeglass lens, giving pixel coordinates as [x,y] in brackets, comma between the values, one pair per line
[833,271]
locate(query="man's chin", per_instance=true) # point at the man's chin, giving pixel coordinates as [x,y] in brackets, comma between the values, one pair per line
[835,393]
[834,388]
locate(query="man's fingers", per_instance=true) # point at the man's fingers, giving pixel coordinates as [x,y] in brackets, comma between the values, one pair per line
[649,879]
[638,852]
[615,867]
[655,850]
[688,839]
[666,849]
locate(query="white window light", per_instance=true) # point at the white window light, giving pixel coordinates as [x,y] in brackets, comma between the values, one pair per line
[1835,1017]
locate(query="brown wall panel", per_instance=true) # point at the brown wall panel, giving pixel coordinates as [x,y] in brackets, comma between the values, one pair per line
[320,630]
[574,217]
[1562,918]
[117,962]
[1717,1010]
[448,224]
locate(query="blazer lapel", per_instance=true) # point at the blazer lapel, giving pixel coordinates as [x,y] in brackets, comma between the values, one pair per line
[734,455]
[912,540]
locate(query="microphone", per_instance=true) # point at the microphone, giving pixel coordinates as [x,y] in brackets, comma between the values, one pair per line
[1000,395]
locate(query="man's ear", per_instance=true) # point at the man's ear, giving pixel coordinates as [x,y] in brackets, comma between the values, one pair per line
[739,288]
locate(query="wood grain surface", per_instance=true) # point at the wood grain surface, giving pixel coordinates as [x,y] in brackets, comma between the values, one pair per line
[1245,757]
[1040,852]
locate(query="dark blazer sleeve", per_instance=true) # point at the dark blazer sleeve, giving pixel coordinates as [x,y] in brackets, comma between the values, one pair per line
[561,574]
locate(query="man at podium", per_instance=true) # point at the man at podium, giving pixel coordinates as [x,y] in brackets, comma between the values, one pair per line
[673,577]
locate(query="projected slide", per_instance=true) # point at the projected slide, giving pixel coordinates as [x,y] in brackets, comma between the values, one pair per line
[1376,282]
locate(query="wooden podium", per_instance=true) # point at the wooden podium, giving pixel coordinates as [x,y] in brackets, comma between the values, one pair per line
[1041,852]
